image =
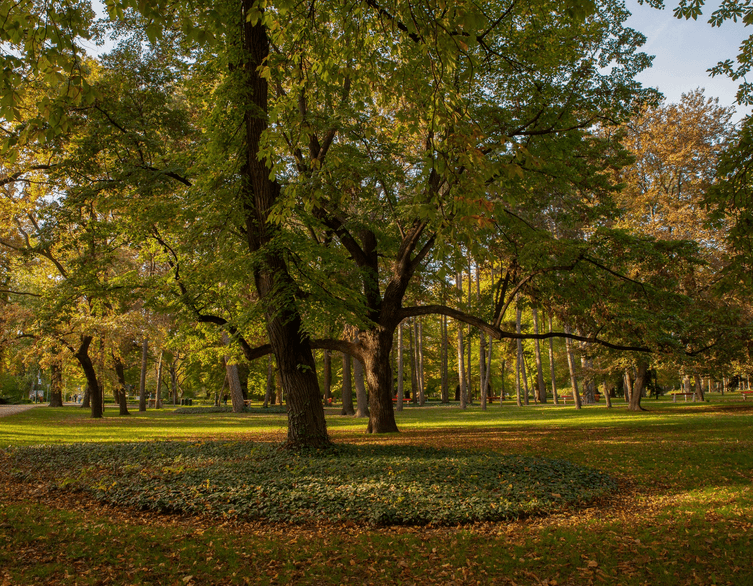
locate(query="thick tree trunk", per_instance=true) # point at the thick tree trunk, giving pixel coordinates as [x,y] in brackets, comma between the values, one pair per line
[86,399]
[121,397]
[95,392]
[444,389]
[571,367]
[377,345]
[553,374]
[539,369]
[56,384]
[347,387]
[274,285]
[142,379]
[362,397]
[400,368]
[638,386]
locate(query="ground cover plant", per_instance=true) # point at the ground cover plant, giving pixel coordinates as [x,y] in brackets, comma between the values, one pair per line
[680,512]
[362,484]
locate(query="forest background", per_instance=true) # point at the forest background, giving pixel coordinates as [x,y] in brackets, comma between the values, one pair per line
[445,195]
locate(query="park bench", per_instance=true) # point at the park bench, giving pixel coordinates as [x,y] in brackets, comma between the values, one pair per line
[686,395]
[566,398]
[746,394]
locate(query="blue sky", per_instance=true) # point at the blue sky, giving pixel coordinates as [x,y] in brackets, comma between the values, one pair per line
[684,50]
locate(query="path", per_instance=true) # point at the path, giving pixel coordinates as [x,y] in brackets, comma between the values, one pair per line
[13,409]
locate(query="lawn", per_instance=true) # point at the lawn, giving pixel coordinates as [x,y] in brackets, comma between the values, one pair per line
[679,510]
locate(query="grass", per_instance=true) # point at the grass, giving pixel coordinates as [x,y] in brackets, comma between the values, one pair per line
[682,512]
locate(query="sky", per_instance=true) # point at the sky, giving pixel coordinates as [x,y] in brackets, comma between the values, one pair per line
[684,50]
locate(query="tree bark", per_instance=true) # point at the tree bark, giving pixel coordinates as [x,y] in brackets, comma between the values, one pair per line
[142,379]
[539,369]
[571,367]
[290,343]
[95,392]
[638,385]
[698,387]
[628,385]
[86,399]
[347,387]
[121,397]
[555,397]
[56,384]
[377,345]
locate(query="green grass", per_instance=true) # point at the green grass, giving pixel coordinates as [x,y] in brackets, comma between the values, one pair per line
[682,512]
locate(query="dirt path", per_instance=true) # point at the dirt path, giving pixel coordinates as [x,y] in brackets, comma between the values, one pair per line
[13,409]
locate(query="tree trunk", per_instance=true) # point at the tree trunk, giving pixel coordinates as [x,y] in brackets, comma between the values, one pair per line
[524,376]
[461,353]
[362,397]
[628,386]
[174,381]
[607,397]
[502,382]
[539,368]
[233,379]
[327,377]
[555,398]
[698,387]
[142,379]
[377,345]
[347,387]
[637,390]
[481,348]
[412,343]
[86,399]
[400,368]
[56,384]
[571,367]
[158,386]
[420,348]
[469,369]
[120,390]
[445,390]
[589,385]
[95,392]
[518,354]
[290,344]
